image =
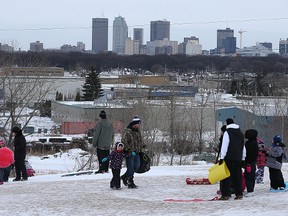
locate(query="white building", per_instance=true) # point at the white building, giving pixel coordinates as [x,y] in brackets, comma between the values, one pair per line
[131,47]
[258,50]
[80,46]
[190,46]
[153,45]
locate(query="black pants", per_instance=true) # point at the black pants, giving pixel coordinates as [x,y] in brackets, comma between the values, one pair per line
[6,175]
[235,178]
[20,169]
[103,166]
[115,181]
[276,178]
[250,178]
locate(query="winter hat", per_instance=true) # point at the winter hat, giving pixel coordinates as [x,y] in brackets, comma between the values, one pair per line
[229,121]
[119,144]
[16,130]
[277,139]
[102,114]
[223,128]
[251,134]
[136,120]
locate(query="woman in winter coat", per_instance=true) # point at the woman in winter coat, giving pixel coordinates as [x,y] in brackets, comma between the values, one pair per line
[19,154]
[274,163]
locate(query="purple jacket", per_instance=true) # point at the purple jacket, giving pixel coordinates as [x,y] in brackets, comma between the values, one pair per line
[116,159]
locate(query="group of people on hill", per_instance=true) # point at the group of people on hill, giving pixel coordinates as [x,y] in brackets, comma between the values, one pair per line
[128,148]
[10,159]
[251,155]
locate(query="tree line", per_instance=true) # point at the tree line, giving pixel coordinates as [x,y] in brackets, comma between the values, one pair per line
[74,61]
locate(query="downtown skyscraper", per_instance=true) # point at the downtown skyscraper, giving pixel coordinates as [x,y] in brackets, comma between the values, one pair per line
[159,30]
[99,35]
[120,34]
[226,42]
[138,35]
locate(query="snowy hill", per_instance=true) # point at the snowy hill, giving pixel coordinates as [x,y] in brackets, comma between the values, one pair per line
[48,193]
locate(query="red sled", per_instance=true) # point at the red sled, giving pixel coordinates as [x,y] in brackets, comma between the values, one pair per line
[202,181]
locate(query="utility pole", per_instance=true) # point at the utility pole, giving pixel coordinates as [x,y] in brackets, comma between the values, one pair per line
[241,35]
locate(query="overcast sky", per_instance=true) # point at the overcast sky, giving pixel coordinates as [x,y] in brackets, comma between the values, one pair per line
[58,22]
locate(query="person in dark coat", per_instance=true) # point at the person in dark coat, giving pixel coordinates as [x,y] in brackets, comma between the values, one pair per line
[133,145]
[103,140]
[251,146]
[19,154]
[233,152]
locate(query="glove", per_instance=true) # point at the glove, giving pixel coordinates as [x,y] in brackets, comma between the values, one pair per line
[104,160]
[248,168]
[221,161]
[133,154]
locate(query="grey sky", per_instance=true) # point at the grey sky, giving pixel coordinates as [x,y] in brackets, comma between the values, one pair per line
[58,22]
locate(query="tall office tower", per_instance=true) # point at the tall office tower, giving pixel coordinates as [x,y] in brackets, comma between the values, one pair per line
[159,30]
[283,47]
[226,42]
[120,34]
[99,35]
[138,35]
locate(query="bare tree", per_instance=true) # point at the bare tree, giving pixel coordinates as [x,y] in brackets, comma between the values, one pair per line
[22,93]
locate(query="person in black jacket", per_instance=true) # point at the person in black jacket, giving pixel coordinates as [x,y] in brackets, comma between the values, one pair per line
[19,154]
[233,152]
[251,146]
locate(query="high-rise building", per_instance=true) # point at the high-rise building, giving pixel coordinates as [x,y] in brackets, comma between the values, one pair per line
[120,34]
[190,46]
[36,46]
[159,30]
[99,35]
[132,47]
[138,35]
[226,42]
[80,46]
[283,47]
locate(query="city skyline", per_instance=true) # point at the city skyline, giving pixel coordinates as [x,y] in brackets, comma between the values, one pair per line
[56,23]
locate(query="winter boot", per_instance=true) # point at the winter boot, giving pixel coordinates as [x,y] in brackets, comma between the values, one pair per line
[131,184]
[125,180]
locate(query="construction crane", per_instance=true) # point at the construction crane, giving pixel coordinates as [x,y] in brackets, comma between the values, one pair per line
[241,35]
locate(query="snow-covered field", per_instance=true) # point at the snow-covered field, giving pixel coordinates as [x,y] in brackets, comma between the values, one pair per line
[50,194]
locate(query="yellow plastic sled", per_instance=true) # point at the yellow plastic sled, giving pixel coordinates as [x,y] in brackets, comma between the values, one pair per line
[218,173]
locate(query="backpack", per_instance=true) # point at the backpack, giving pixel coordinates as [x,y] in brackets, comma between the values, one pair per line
[145,163]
